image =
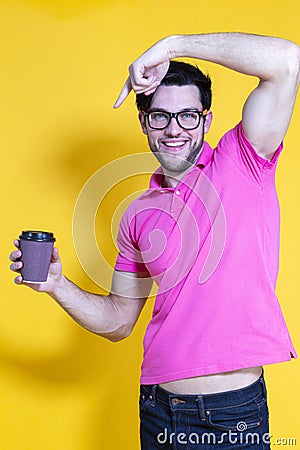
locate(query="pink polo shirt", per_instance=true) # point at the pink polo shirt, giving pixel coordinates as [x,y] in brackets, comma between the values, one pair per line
[212,246]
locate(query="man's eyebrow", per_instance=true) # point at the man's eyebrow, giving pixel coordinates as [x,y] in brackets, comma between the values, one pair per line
[157,109]
[166,111]
[189,109]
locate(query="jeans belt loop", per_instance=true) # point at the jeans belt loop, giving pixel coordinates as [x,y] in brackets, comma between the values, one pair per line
[201,407]
[263,385]
[153,395]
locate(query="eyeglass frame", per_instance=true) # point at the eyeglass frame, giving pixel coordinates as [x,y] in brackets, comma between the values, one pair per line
[175,116]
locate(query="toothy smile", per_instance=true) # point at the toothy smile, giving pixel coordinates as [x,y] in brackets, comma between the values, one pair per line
[174,144]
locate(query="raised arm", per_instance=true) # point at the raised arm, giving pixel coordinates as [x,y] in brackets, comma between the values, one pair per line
[112,316]
[276,62]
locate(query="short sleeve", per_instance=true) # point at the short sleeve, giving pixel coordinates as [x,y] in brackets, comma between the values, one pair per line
[129,258]
[235,146]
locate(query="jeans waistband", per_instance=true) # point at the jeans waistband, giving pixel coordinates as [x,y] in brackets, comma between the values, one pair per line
[230,398]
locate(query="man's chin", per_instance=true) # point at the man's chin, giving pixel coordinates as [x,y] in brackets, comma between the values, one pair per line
[172,163]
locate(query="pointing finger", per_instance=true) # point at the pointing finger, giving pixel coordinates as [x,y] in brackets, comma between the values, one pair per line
[124,93]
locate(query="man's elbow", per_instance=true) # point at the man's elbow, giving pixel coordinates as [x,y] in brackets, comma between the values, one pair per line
[291,64]
[119,337]
[121,333]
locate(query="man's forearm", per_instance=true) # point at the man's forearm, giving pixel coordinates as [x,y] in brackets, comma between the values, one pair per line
[268,58]
[261,56]
[96,313]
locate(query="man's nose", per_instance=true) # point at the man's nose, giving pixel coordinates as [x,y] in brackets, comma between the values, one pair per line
[173,129]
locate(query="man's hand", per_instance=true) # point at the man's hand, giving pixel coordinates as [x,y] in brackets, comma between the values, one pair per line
[54,274]
[147,71]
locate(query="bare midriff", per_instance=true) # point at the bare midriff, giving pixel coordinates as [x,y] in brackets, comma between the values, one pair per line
[219,382]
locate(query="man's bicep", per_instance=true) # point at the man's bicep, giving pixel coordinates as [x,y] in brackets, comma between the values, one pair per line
[267,114]
[129,292]
[268,109]
[131,285]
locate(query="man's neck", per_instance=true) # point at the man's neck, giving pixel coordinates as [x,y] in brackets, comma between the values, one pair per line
[172,179]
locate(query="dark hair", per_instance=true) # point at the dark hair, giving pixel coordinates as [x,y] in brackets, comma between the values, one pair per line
[181,74]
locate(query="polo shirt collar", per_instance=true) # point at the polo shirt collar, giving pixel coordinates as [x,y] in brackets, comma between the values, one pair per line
[203,160]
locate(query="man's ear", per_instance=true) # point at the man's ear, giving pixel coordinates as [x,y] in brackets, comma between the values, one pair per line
[142,120]
[208,121]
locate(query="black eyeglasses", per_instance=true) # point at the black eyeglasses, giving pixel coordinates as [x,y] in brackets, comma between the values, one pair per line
[188,120]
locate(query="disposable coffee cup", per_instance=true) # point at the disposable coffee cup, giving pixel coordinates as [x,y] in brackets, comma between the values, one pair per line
[36,248]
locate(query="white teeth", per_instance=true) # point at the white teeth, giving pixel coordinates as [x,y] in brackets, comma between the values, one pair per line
[174,144]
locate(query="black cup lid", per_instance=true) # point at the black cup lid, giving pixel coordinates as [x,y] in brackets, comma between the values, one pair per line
[41,236]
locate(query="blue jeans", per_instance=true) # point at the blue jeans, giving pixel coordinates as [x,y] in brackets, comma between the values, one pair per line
[234,419]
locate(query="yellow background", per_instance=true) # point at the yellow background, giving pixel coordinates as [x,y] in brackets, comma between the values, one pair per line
[63,63]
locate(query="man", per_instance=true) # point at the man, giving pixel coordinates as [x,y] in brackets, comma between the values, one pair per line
[207,232]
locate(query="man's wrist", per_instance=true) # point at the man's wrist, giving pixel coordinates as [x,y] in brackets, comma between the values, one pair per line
[176,45]
[61,285]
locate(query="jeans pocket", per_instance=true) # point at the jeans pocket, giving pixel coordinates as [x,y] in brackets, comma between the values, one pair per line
[261,401]
[235,418]
[262,405]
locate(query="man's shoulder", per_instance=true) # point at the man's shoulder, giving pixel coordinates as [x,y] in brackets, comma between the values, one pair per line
[231,136]
[141,201]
